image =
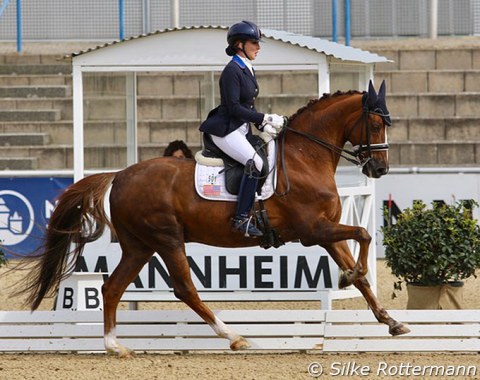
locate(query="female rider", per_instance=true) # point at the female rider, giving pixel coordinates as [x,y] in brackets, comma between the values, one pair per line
[229,123]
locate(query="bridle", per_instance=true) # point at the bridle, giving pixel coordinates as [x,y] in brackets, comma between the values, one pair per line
[356,156]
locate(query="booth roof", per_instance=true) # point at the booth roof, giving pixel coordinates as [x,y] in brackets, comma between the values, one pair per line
[339,51]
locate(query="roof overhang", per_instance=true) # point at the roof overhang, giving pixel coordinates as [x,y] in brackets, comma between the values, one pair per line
[203,47]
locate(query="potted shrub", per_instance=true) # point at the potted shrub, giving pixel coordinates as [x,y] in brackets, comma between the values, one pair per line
[432,250]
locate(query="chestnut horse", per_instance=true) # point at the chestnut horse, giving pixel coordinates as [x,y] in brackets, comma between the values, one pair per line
[154,208]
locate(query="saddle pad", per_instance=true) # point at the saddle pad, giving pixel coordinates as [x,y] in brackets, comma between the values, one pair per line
[210,183]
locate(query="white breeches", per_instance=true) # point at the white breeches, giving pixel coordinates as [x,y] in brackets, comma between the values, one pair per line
[236,145]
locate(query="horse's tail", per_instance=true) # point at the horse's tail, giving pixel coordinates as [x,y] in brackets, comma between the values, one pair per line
[79,217]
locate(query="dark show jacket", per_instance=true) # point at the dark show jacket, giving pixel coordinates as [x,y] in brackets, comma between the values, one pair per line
[238,91]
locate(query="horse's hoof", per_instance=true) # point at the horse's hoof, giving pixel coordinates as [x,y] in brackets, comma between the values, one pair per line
[398,329]
[122,352]
[345,279]
[239,344]
[126,354]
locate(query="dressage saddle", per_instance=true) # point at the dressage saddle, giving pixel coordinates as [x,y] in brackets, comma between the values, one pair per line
[233,169]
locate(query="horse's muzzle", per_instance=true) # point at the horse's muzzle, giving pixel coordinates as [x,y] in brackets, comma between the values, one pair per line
[375,169]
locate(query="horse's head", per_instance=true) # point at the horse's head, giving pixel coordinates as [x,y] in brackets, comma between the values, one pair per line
[369,136]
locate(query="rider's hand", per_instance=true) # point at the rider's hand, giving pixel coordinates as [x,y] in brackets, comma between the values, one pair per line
[272,131]
[274,120]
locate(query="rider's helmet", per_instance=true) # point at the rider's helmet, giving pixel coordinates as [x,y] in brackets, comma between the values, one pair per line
[242,31]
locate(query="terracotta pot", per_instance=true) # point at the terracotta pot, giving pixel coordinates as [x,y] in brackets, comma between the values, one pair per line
[435,297]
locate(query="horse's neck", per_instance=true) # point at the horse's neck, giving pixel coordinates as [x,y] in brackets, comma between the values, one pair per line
[327,121]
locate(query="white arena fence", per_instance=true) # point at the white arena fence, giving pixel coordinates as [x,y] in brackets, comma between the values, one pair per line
[283,330]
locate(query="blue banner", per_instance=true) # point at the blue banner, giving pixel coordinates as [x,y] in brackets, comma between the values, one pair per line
[26,205]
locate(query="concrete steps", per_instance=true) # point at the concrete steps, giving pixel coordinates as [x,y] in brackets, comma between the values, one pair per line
[405,58]
[108,131]
[18,163]
[433,81]
[35,69]
[36,80]
[29,115]
[24,139]
[434,153]
[30,88]
[453,129]
[57,157]
[35,91]
[433,96]
[464,104]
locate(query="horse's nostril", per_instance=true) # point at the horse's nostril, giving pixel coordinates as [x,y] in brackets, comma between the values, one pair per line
[382,171]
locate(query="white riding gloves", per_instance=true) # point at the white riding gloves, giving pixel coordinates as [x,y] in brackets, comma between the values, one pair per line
[274,120]
[272,131]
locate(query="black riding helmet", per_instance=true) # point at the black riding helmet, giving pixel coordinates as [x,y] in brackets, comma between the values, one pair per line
[242,31]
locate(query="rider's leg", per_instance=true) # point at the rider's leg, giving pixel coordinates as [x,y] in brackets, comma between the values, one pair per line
[237,146]
[246,197]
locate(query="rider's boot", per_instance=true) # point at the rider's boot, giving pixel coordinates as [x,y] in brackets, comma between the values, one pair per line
[242,222]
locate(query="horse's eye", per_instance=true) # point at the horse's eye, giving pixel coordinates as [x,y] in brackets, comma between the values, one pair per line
[376,127]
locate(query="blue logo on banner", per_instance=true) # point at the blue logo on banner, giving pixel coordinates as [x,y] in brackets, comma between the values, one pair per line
[25,208]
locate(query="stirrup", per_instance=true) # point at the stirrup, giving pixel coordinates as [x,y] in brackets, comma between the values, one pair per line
[246,226]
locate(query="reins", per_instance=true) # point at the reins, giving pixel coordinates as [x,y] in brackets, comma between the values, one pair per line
[356,153]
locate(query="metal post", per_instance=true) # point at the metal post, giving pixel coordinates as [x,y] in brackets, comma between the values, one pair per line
[78,141]
[121,18]
[433,19]
[347,22]
[147,25]
[175,14]
[131,116]
[19,26]
[334,21]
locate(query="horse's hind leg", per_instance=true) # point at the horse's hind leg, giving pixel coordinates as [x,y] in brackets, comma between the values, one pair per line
[134,256]
[342,256]
[184,289]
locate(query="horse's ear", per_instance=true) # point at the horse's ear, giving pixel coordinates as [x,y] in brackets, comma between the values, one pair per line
[382,91]
[372,95]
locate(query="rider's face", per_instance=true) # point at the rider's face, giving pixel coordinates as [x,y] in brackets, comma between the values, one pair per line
[251,48]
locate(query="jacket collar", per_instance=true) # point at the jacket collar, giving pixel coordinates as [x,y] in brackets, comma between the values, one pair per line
[245,69]
[239,62]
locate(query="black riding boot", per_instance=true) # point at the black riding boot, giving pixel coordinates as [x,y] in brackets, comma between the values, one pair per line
[246,197]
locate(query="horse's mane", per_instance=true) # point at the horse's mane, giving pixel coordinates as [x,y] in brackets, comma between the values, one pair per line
[324,98]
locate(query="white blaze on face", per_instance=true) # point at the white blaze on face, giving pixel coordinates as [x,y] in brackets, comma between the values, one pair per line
[386,140]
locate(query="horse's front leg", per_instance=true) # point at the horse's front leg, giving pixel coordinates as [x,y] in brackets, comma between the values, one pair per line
[330,232]
[343,257]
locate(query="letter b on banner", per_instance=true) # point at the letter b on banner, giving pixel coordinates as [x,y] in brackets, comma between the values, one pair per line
[81,291]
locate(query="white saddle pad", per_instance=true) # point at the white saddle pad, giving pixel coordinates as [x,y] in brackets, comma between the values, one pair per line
[210,183]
